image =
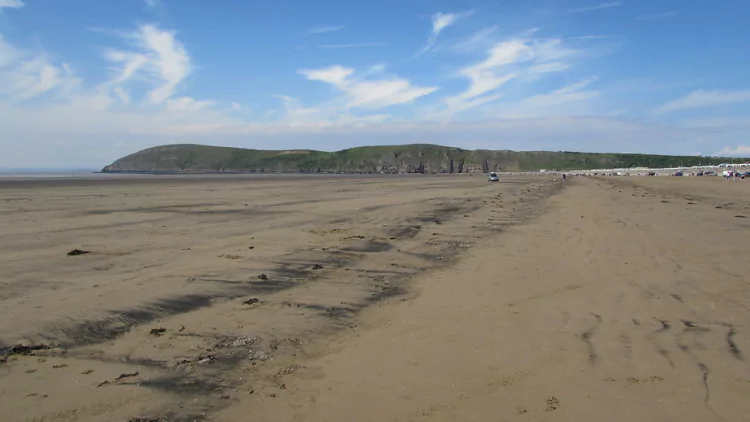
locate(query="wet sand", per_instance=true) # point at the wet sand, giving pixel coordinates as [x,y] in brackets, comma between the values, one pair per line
[385,298]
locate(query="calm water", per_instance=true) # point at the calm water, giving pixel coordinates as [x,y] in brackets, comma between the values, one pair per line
[24,175]
[76,174]
[33,179]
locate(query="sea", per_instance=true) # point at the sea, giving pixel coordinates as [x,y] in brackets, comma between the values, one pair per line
[33,173]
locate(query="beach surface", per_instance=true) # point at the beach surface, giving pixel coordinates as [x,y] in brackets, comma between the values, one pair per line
[374,298]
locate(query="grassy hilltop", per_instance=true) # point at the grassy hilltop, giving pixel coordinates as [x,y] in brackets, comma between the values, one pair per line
[415,158]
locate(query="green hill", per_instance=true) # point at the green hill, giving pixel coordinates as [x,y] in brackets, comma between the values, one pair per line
[415,158]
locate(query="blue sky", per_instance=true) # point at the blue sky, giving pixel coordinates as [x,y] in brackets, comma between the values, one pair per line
[85,82]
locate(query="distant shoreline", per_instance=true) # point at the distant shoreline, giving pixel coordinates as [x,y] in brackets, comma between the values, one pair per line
[21,181]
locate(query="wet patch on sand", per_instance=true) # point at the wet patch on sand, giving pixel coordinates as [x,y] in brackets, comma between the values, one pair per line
[369,246]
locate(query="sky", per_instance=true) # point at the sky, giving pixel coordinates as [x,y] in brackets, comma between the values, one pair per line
[85,82]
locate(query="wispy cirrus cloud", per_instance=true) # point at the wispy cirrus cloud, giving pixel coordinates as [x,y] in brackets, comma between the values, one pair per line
[187,105]
[557,102]
[658,16]
[44,102]
[156,60]
[592,37]
[323,29]
[549,67]
[158,56]
[506,60]
[593,7]
[367,93]
[355,45]
[440,21]
[152,3]
[328,115]
[295,113]
[28,74]
[10,4]
[702,99]
[479,40]
[122,95]
[30,78]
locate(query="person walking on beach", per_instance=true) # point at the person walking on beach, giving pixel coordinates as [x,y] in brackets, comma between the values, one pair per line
[563,177]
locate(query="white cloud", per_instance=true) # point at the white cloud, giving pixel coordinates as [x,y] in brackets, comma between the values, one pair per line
[549,67]
[236,106]
[479,40]
[44,105]
[324,29]
[505,61]
[8,53]
[376,68]
[122,95]
[367,93]
[152,3]
[295,113]
[29,79]
[567,94]
[170,58]
[460,103]
[131,63]
[556,103]
[595,7]
[658,16]
[359,120]
[483,75]
[11,4]
[355,45]
[384,93]
[160,59]
[335,75]
[738,151]
[100,133]
[592,37]
[700,99]
[440,21]
[295,116]
[615,113]
[188,105]
[718,123]
[25,74]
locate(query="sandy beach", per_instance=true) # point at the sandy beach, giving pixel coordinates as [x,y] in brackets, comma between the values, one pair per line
[374,298]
